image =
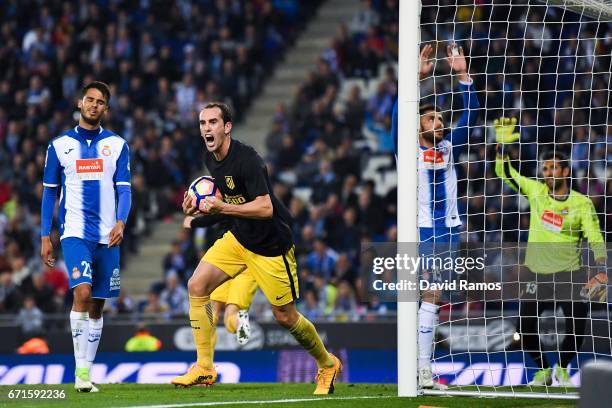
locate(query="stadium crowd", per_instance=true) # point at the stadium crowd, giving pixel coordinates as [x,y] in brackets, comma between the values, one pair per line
[162,61]
[321,143]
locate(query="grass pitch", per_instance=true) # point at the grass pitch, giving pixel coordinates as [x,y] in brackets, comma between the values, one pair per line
[254,394]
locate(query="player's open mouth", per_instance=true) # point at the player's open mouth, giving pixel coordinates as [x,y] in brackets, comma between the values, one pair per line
[209,139]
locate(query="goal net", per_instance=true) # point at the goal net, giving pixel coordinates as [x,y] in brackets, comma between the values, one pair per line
[545,67]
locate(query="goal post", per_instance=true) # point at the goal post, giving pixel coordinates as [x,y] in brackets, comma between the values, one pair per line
[547,64]
[408,103]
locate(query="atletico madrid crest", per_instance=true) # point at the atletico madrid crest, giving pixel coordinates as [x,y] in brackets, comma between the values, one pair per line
[230,182]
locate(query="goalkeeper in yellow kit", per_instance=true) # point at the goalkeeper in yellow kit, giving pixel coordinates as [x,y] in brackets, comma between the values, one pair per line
[560,218]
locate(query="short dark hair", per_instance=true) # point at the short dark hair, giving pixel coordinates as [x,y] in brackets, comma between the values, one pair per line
[226,111]
[426,107]
[561,157]
[100,86]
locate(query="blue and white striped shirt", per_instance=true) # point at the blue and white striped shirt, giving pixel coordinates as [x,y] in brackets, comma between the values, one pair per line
[89,166]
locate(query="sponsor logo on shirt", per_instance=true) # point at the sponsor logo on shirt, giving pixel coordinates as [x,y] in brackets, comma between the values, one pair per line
[235,199]
[551,221]
[433,159]
[89,169]
[433,156]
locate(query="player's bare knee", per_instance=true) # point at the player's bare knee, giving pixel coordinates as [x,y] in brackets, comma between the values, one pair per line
[285,316]
[282,318]
[82,297]
[196,286]
[205,279]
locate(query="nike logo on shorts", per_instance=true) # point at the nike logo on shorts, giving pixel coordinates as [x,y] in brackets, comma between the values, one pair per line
[280,297]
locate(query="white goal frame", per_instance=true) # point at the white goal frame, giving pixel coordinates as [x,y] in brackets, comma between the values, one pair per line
[408,108]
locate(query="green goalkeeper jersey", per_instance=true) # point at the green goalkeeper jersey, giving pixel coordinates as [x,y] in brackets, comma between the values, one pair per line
[558,225]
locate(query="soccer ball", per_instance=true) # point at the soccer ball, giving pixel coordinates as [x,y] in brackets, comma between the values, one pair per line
[203,187]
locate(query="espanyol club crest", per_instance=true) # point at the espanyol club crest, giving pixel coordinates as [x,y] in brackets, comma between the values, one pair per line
[76,274]
[106,151]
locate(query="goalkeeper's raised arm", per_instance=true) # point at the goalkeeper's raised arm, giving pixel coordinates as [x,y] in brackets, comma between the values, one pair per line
[505,134]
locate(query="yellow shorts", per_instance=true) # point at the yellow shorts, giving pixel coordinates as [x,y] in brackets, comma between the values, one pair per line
[275,275]
[238,291]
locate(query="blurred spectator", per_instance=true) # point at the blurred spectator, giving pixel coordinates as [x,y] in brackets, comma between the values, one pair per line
[42,292]
[325,293]
[153,304]
[366,16]
[30,318]
[175,295]
[346,235]
[345,304]
[121,304]
[355,112]
[20,271]
[322,260]
[310,307]
[344,269]
[56,279]
[324,183]
[10,295]
[175,262]
[371,215]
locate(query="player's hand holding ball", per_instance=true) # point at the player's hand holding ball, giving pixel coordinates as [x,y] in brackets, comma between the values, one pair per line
[189,206]
[211,205]
[202,196]
[504,130]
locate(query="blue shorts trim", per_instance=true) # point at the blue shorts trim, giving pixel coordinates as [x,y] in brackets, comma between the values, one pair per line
[440,234]
[94,264]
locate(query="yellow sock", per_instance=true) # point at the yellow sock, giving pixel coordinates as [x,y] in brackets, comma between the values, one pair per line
[202,317]
[231,323]
[306,334]
[213,337]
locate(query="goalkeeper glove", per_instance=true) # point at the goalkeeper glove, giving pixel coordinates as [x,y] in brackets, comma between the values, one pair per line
[504,130]
[596,289]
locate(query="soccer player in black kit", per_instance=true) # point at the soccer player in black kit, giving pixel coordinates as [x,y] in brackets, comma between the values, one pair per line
[259,239]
